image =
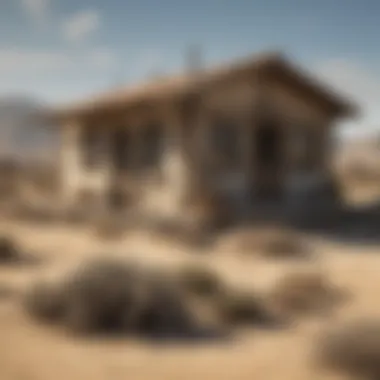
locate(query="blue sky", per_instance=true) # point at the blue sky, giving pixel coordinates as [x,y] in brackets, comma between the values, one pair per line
[62,50]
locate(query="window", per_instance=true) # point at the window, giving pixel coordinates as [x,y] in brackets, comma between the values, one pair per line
[269,146]
[151,146]
[305,146]
[92,146]
[225,142]
[120,145]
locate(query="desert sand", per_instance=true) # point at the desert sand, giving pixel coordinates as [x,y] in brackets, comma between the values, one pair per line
[29,351]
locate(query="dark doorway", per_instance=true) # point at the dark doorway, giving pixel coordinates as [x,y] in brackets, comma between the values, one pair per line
[120,148]
[120,145]
[116,198]
[152,139]
[268,160]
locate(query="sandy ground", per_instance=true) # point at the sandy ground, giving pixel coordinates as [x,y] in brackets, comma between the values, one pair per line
[32,352]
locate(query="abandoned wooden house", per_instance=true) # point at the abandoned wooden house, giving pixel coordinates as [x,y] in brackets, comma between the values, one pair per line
[252,133]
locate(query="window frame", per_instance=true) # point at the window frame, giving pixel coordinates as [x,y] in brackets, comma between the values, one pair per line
[225,142]
[92,146]
[152,142]
[305,155]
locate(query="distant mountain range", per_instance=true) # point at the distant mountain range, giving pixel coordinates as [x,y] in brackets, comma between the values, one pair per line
[23,135]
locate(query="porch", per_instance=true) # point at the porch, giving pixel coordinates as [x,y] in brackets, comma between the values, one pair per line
[160,162]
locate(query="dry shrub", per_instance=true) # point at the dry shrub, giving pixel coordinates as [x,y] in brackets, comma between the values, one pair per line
[178,232]
[241,307]
[106,295]
[199,280]
[352,349]
[9,252]
[45,301]
[211,208]
[272,243]
[109,228]
[302,292]
[283,244]
[101,296]
[165,311]
[228,305]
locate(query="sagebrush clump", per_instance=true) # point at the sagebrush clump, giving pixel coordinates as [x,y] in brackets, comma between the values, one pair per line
[351,349]
[237,307]
[106,295]
[284,245]
[46,301]
[101,295]
[165,311]
[9,252]
[110,228]
[302,292]
[199,280]
[270,243]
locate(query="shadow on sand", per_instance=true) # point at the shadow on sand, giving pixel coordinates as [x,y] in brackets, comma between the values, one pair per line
[355,225]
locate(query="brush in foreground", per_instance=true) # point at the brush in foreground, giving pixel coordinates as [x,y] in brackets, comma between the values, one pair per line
[352,349]
[111,296]
[107,295]
[9,252]
[303,292]
[270,243]
[45,301]
[243,308]
[199,280]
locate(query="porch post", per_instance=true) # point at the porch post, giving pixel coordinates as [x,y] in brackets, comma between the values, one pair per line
[135,146]
[183,162]
[247,143]
[252,120]
[323,149]
[119,176]
[69,162]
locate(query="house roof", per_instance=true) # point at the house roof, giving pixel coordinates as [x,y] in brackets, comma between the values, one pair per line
[272,63]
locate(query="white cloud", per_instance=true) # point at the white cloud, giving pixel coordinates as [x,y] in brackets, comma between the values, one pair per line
[56,75]
[359,84]
[36,9]
[27,62]
[81,25]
